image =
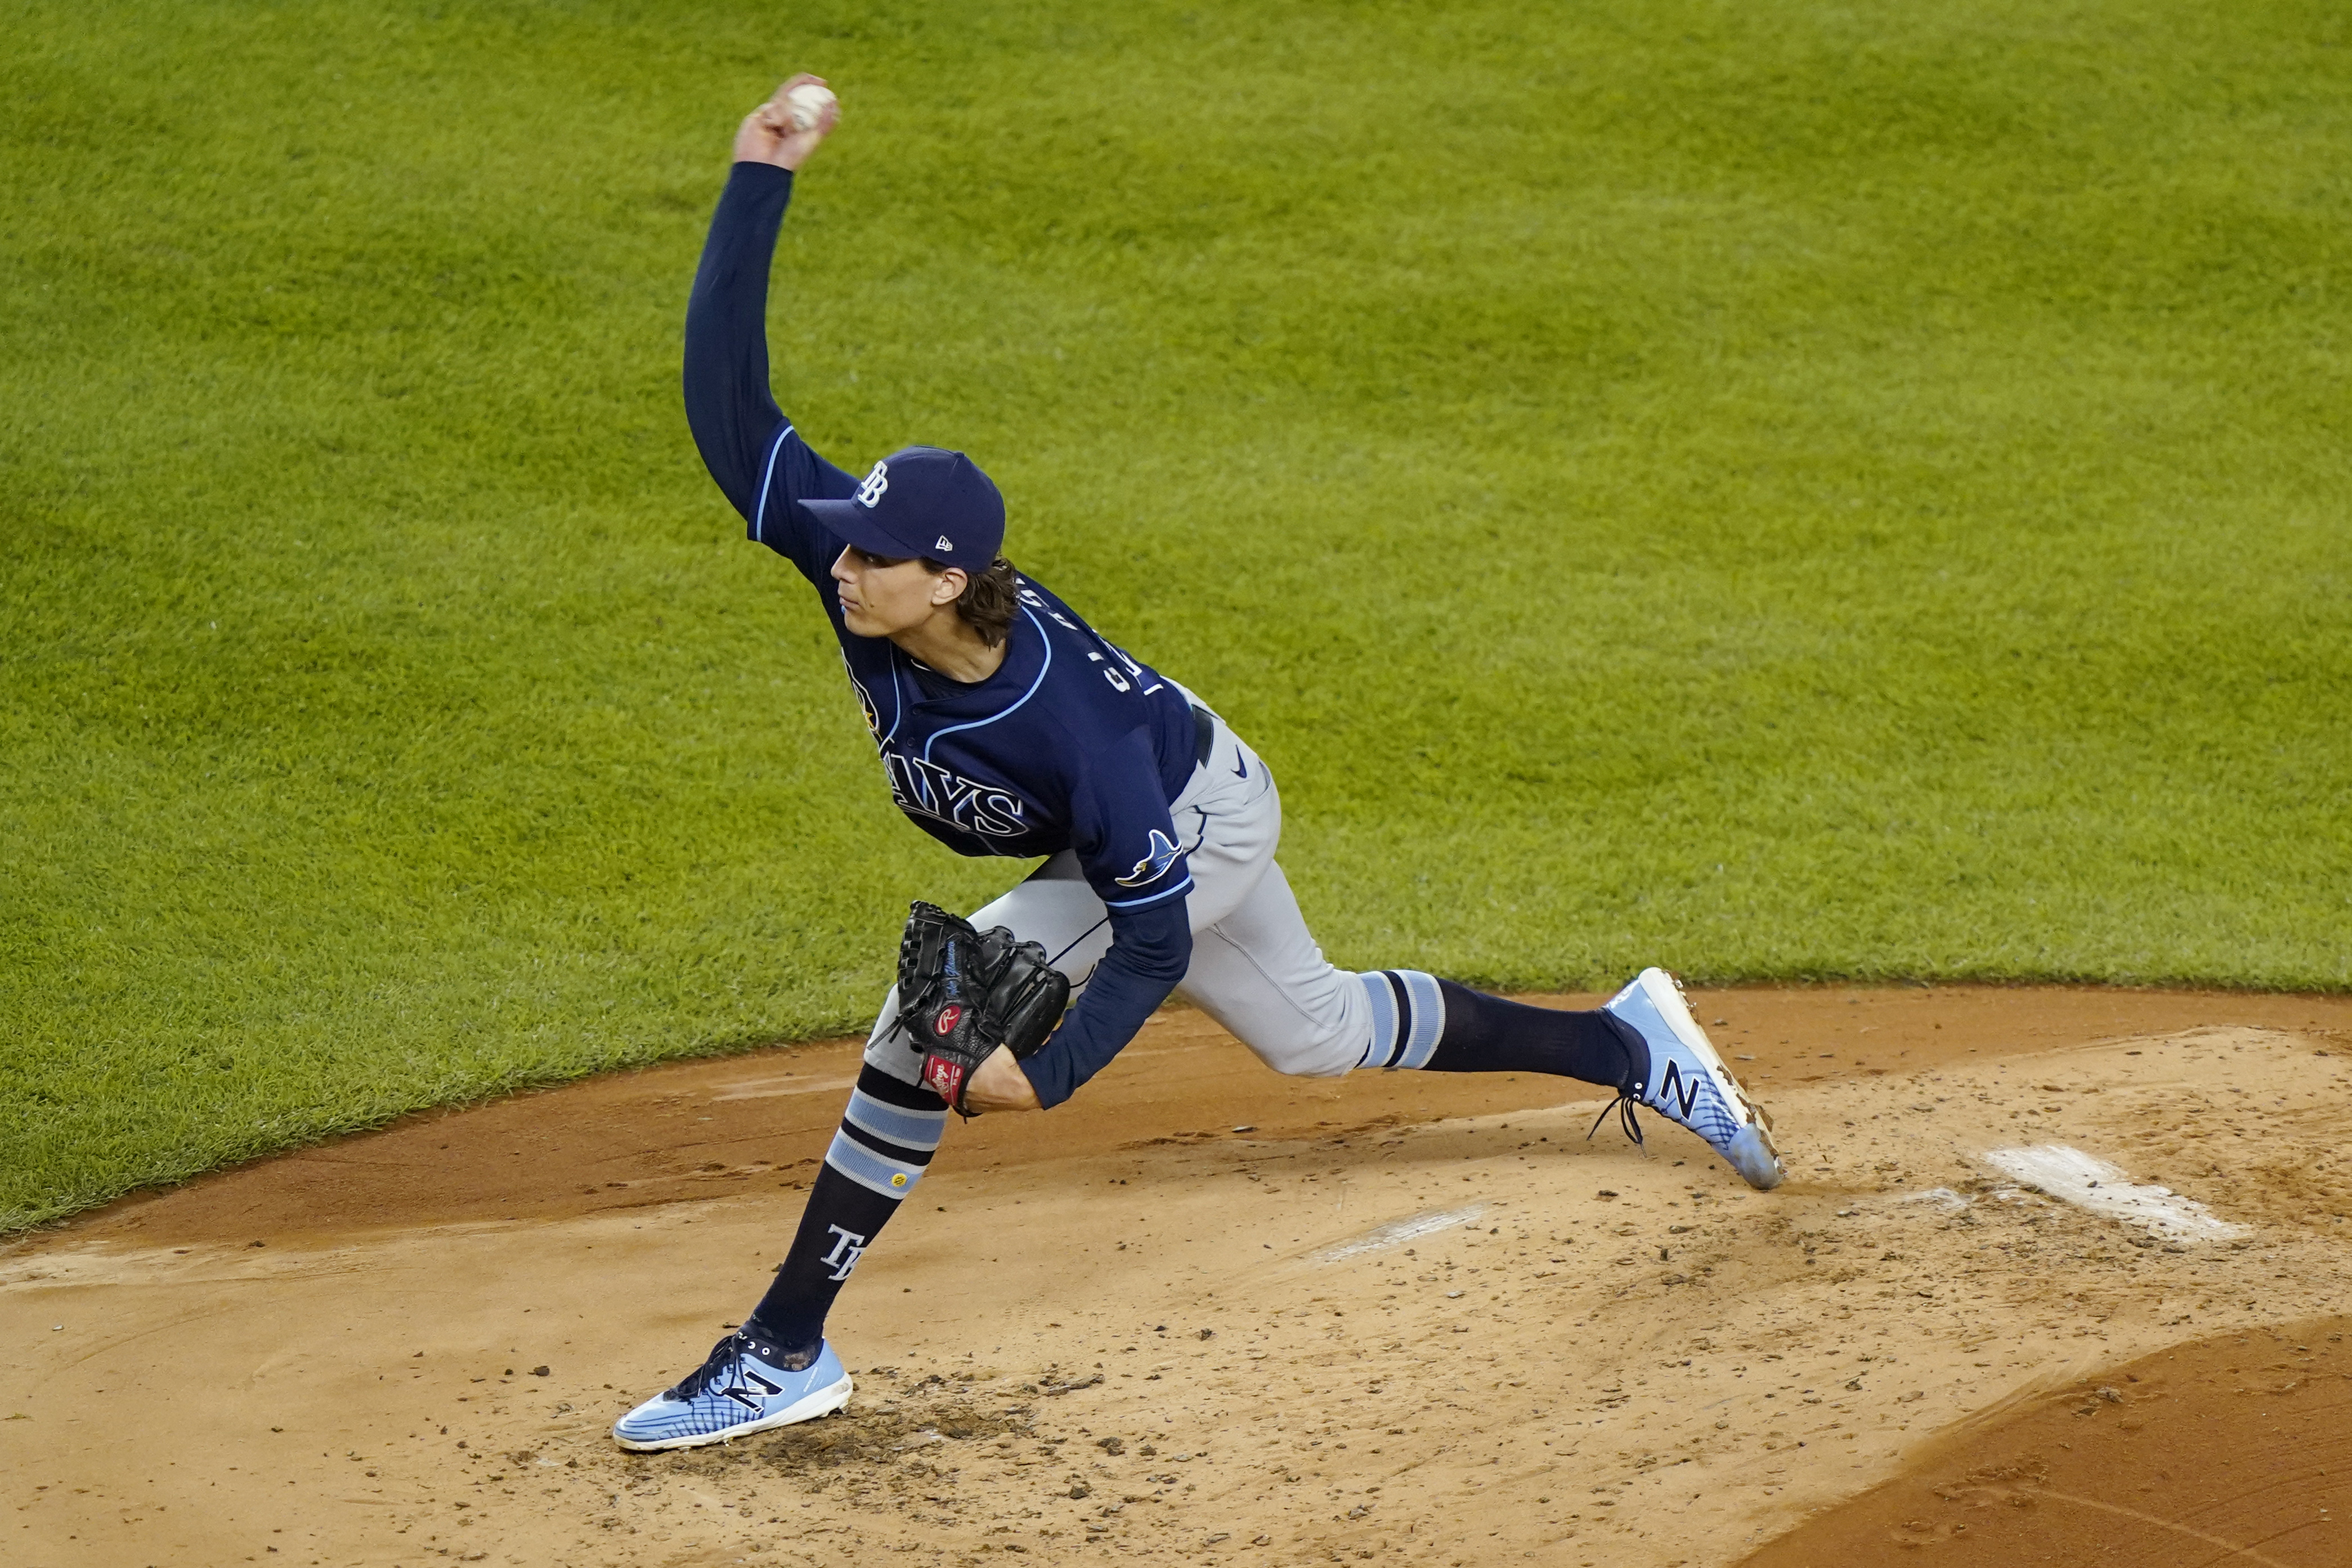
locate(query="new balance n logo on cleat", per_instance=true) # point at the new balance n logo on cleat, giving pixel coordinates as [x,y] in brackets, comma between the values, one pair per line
[746,1398]
[733,1394]
[1678,1087]
[1692,1085]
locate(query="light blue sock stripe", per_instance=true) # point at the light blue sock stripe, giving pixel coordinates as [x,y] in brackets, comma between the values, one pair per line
[1384,1019]
[915,1129]
[1428,1017]
[891,1178]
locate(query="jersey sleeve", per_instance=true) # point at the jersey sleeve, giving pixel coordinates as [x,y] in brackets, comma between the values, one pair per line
[1151,948]
[1126,844]
[759,460]
[1120,830]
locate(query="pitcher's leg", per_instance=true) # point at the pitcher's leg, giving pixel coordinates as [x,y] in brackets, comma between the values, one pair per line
[777,1368]
[894,1124]
[886,1141]
[1259,972]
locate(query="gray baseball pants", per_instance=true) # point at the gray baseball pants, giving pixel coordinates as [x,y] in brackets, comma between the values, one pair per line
[1255,966]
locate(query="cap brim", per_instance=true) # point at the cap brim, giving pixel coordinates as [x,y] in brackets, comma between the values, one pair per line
[855,524]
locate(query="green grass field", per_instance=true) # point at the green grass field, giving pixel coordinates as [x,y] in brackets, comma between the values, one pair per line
[1785,491]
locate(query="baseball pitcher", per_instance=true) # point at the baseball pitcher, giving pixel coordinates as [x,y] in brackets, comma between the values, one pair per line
[1007,725]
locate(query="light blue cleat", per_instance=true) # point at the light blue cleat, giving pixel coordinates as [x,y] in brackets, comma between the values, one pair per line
[734,1395]
[1686,1081]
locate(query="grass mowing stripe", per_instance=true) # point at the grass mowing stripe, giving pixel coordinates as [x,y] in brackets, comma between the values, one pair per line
[1787,491]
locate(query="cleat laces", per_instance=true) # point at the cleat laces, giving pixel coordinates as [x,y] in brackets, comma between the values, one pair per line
[1623,1106]
[725,1360]
[1629,1090]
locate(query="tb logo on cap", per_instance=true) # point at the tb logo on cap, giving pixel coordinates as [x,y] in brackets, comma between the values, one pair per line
[871,492]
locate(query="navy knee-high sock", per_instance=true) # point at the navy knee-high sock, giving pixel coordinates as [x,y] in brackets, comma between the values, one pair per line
[887,1139]
[1420,1021]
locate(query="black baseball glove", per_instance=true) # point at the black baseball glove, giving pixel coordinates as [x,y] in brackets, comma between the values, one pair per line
[962,992]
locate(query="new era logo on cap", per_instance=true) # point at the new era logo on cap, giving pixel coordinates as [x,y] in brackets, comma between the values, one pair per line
[922,500]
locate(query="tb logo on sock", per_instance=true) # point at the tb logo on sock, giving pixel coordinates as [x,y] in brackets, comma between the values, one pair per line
[847,1251]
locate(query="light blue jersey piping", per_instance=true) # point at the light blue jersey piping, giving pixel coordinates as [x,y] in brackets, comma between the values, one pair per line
[1138,903]
[767,478]
[937,736]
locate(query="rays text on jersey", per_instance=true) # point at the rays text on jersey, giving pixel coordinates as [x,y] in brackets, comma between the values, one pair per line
[927,789]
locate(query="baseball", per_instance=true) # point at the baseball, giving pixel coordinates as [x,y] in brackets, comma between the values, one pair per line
[807,104]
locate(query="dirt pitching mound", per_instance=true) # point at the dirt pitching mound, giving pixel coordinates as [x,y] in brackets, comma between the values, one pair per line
[1207,1314]
[2233,1449]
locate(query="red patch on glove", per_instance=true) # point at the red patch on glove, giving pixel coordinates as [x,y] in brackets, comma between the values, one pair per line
[943,1078]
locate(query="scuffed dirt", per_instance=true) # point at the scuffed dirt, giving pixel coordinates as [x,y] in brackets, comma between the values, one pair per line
[1354,1329]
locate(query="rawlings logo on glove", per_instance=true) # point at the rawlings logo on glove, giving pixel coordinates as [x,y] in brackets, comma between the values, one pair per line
[963,993]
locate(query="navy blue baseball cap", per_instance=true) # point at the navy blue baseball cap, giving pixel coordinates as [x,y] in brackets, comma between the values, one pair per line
[921,500]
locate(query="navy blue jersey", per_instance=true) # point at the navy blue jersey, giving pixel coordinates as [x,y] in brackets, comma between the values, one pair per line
[1070,744]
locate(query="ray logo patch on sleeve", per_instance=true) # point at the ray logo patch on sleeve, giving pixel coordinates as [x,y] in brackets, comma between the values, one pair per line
[1158,855]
